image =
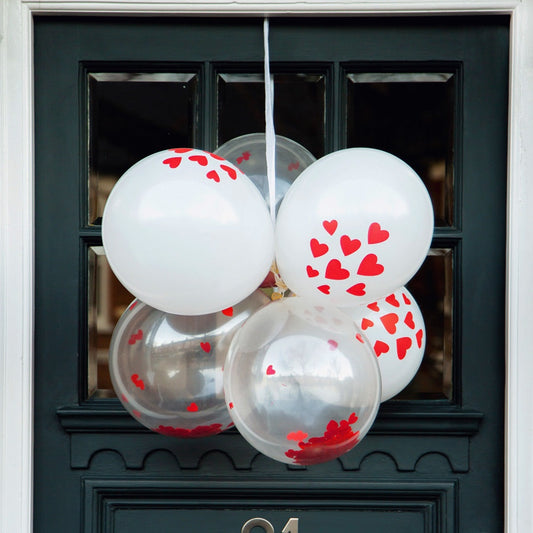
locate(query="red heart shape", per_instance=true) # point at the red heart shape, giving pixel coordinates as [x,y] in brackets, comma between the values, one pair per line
[245,156]
[137,381]
[192,407]
[376,234]
[294,166]
[380,347]
[230,405]
[330,226]
[406,300]
[359,337]
[389,321]
[402,345]
[366,323]
[357,290]
[270,370]
[136,337]
[391,299]
[408,321]
[349,246]
[206,346]
[334,270]
[324,288]
[232,173]
[370,267]
[213,175]
[228,311]
[181,150]
[311,272]
[200,159]
[318,248]
[172,162]
[374,307]
[333,345]
[298,436]
[419,336]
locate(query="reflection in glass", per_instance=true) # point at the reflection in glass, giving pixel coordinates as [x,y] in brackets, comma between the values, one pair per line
[432,288]
[132,115]
[410,115]
[299,109]
[107,300]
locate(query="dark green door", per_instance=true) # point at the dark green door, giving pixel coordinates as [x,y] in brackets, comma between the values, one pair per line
[433,91]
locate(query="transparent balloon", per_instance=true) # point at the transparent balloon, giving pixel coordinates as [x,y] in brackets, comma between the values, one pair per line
[302,385]
[394,327]
[354,226]
[167,370]
[186,232]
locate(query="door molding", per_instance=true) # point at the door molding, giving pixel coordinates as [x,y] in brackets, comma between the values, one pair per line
[17,219]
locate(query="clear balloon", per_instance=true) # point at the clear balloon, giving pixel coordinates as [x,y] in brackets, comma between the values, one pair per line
[302,385]
[395,329]
[167,370]
[248,152]
[186,232]
[354,226]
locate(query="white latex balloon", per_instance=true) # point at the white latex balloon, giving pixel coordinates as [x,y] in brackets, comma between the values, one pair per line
[394,327]
[186,232]
[354,226]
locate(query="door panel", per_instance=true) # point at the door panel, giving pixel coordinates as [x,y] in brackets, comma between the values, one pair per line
[434,457]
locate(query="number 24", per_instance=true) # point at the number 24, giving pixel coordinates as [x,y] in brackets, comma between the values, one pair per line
[290,527]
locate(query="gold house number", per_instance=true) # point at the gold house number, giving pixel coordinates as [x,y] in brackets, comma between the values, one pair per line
[290,527]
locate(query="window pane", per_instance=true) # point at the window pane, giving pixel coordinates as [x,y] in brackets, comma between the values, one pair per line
[299,107]
[412,117]
[132,115]
[432,288]
[108,299]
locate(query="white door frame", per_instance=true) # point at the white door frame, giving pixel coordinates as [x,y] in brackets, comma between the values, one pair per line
[17,218]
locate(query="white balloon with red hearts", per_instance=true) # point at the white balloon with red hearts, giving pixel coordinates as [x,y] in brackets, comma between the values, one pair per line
[395,329]
[355,225]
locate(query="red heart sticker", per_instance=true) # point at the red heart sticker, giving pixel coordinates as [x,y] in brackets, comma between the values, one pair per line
[213,175]
[231,172]
[297,436]
[334,270]
[380,347]
[370,267]
[391,299]
[330,226]
[270,370]
[136,337]
[419,336]
[408,320]
[402,345]
[311,272]
[389,321]
[349,246]
[376,234]
[206,346]
[318,248]
[172,162]
[192,407]
[200,159]
[406,300]
[357,290]
[228,311]
[366,323]
[324,288]
[137,381]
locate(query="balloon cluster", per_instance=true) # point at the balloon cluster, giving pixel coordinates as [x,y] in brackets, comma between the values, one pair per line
[189,234]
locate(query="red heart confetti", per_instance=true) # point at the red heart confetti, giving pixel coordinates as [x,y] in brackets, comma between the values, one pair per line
[231,172]
[330,226]
[402,345]
[408,320]
[376,234]
[137,381]
[318,248]
[213,175]
[357,290]
[366,323]
[380,347]
[172,162]
[374,307]
[324,288]
[181,150]
[370,267]
[334,270]
[297,436]
[419,336]
[270,370]
[200,159]
[245,156]
[359,337]
[406,300]
[389,321]
[192,407]
[391,299]
[311,272]
[333,345]
[206,346]
[136,337]
[349,245]
[228,311]
[294,166]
